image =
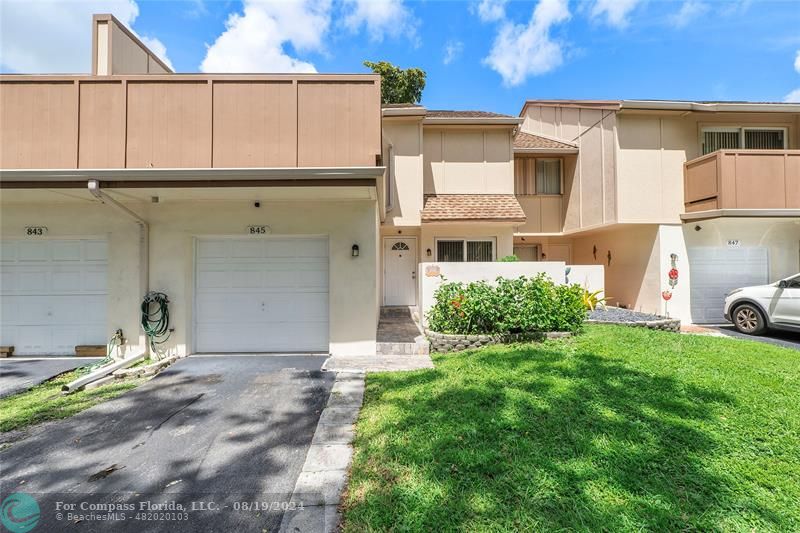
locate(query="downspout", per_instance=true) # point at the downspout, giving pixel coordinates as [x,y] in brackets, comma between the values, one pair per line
[144,280]
[144,231]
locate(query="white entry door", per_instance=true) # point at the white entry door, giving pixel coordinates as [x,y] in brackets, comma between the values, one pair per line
[261,295]
[400,271]
[53,295]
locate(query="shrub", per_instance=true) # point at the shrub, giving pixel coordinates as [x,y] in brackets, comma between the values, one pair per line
[508,259]
[521,305]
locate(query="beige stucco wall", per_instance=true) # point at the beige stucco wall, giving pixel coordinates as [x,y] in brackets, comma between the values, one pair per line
[405,137]
[653,148]
[462,160]
[173,228]
[589,178]
[633,276]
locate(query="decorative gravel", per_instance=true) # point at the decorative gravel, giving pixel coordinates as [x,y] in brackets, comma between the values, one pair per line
[617,314]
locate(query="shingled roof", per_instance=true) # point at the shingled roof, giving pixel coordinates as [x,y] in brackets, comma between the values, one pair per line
[485,207]
[528,141]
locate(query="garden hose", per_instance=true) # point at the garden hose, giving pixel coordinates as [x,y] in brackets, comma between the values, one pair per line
[155,318]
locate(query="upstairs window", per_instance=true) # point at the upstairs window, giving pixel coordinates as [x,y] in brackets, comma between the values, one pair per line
[537,176]
[749,138]
[548,176]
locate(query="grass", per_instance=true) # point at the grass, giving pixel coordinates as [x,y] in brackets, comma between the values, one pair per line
[45,401]
[619,429]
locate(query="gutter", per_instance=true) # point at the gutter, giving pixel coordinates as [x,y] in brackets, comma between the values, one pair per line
[193,174]
[741,213]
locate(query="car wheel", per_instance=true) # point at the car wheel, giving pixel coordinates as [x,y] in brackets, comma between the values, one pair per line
[748,319]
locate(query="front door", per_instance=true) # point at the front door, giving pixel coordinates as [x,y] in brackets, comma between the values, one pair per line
[400,271]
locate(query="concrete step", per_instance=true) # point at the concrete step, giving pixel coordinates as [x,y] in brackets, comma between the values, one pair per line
[420,347]
[396,312]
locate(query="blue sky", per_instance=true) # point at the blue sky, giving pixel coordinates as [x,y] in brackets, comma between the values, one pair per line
[484,54]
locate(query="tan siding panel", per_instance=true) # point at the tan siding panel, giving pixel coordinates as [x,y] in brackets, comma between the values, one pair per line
[102,131]
[793,181]
[759,181]
[38,125]
[169,125]
[255,124]
[338,124]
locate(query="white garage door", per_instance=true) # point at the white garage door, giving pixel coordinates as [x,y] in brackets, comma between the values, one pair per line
[262,295]
[53,295]
[716,271]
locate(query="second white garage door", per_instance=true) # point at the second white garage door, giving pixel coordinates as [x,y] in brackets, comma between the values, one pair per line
[715,271]
[261,295]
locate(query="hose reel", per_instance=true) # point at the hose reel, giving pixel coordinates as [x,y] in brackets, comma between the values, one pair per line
[155,318]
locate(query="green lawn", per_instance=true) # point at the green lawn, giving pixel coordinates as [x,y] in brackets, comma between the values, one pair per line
[620,429]
[45,401]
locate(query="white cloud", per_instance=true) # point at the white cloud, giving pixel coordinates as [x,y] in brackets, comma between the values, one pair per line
[254,40]
[521,50]
[452,50]
[690,10]
[793,97]
[492,10]
[797,62]
[380,18]
[158,48]
[614,11]
[53,36]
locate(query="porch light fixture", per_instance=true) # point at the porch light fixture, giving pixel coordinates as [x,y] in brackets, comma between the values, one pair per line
[428,252]
[355,250]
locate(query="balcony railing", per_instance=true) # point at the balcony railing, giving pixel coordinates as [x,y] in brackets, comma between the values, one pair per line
[742,179]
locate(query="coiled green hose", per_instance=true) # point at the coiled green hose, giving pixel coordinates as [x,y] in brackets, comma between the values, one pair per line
[155,318]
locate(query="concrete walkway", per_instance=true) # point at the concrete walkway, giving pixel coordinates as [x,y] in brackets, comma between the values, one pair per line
[377,363]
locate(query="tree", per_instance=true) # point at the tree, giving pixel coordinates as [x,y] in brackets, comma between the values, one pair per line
[398,86]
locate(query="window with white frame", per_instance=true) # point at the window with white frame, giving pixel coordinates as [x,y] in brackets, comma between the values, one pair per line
[464,250]
[751,138]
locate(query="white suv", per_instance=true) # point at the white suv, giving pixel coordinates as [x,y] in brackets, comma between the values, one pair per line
[753,310]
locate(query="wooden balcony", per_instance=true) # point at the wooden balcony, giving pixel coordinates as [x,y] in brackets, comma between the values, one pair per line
[742,179]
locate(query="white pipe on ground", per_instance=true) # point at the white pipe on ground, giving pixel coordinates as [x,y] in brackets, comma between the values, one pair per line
[100,373]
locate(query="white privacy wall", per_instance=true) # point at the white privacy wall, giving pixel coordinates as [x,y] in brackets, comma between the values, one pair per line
[431,276]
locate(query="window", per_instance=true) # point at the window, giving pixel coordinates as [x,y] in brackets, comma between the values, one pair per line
[548,176]
[537,176]
[461,250]
[749,138]
[400,247]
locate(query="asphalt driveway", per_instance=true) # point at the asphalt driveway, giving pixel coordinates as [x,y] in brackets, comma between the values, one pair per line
[218,441]
[785,339]
[17,375]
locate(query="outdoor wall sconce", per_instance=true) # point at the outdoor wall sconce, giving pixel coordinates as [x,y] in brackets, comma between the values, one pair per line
[544,257]
[428,252]
[609,258]
[594,252]
[698,228]
[355,250]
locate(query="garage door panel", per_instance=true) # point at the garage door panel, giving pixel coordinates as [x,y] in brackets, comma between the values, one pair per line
[244,249]
[715,271]
[32,280]
[66,251]
[54,295]
[36,251]
[262,295]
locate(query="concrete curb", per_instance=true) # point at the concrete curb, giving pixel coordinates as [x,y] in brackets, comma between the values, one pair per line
[319,487]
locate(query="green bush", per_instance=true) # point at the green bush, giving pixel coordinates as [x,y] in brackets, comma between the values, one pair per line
[508,259]
[521,305]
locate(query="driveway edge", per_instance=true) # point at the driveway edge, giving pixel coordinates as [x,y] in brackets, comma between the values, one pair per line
[324,475]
